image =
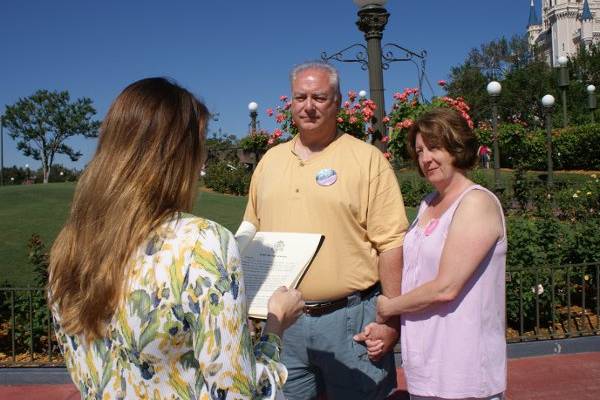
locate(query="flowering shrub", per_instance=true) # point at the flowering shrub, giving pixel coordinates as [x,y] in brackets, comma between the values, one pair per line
[260,141]
[407,108]
[355,117]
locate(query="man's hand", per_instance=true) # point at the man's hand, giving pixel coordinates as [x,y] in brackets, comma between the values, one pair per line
[379,339]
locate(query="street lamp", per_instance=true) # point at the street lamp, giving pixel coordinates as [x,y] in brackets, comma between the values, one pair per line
[548,103]
[563,84]
[372,18]
[591,100]
[252,107]
[362,94]
[494,88]
[27,172]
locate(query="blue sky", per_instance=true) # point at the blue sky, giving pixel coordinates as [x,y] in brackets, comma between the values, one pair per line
[227,52]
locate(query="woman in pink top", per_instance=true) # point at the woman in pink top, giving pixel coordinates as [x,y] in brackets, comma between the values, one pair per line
[453,283]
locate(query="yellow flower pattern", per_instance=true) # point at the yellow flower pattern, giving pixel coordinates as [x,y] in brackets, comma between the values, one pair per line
[181,331]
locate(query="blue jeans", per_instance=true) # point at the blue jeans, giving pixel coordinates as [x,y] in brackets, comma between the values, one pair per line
[322,358]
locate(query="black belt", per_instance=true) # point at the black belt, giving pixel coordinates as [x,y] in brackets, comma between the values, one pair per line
[325,307]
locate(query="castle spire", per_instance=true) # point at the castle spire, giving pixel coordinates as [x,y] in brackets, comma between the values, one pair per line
[533,18]
[586,15]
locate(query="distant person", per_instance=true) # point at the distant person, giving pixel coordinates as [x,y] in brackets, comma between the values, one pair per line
[453,282]
[326,181]
[149,301]
[484,156]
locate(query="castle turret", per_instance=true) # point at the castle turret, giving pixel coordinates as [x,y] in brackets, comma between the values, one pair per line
[534,25]
[587,21]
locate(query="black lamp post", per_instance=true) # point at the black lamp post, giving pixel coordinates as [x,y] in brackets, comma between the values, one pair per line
[548,103]
[591,89]
[494,88]
[563,84]
[252,107]
[372,18]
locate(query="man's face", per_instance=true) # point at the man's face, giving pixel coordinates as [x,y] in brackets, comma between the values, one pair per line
[314,103]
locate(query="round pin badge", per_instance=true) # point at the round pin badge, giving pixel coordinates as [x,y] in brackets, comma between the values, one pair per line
[326,177]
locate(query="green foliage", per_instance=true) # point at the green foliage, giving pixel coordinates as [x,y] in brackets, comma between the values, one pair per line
[228,177]
[42,123]
[221,147]
[525,79]
[414,190]
[574,147]
[30,307]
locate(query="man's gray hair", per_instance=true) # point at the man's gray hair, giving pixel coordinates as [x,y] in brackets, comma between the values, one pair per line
[334,76]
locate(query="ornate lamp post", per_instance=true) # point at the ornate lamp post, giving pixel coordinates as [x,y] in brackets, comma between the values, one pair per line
[563,84]
[252,107]
[494,88]
[372,18]
[591,89]
[548,103]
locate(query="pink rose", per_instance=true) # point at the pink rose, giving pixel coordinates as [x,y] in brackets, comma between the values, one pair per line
[386,120]
[385,139]
[442,82]
[353,120]
[283,98]
[387,155]
[279,118]
[277,133]
[270,112]
[270,141]
[407,123]
[340,120]
[346,104]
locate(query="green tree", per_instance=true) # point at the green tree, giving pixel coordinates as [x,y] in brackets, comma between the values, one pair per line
[42,122]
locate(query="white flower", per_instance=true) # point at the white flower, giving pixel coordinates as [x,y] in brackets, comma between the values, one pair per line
[575,195]
[589,193]
[586,277]
[539,289]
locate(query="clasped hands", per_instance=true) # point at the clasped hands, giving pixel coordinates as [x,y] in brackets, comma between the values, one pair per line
[379,336]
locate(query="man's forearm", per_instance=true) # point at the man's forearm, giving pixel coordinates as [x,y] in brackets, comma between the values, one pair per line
[390,272]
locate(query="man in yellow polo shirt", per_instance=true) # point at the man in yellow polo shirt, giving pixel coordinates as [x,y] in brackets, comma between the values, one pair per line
[325,181]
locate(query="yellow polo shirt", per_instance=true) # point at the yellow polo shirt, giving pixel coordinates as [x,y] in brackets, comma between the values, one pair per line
[349,193]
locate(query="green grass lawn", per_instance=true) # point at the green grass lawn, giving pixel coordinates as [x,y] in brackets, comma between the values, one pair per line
[43,209]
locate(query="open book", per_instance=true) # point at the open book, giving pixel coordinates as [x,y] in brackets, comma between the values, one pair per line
[274,259]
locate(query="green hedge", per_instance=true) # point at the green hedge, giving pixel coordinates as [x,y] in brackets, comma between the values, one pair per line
[228,177]
[576,147]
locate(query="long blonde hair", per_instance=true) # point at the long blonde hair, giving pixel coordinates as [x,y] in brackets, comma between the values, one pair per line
[145,169]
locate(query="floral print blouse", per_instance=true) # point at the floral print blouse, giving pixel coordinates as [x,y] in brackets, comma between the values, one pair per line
[181,331]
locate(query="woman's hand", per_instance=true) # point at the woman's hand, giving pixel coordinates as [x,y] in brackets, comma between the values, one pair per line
[285,306]
[382,309]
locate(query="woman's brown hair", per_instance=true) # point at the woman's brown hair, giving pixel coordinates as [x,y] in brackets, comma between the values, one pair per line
[445,128]
[145,169]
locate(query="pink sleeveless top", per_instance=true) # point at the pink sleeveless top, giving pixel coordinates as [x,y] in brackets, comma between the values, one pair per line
[455,349]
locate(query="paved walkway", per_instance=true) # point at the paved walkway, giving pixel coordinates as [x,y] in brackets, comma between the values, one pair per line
[556,377]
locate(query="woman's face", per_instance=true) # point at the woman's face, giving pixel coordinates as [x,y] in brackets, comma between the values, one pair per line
[435,162]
